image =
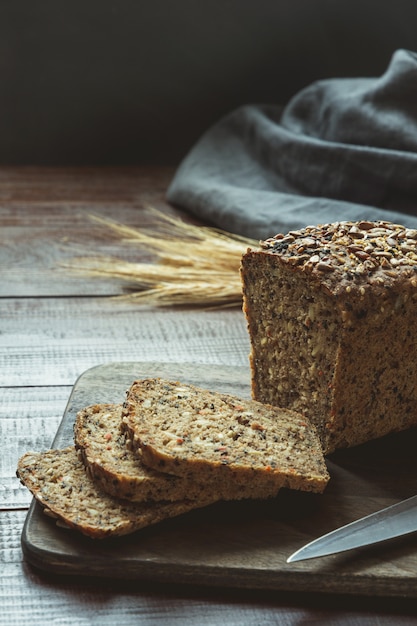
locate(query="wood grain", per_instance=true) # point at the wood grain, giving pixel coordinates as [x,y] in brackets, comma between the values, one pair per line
[240,544]
[29,418]
[86,185]
[54,326]
[47,214]
[51,341]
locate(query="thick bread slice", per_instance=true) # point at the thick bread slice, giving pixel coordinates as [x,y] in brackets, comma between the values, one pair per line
[213,437]
[58,480]
[119,470]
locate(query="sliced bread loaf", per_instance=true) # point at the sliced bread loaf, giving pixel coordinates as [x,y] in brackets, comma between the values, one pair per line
[217,438]
[119,470]
[58,480]
[332,320]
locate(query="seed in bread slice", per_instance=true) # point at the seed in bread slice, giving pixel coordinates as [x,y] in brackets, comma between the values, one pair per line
[116,468]
[119,470]
[193,432]
[58,480]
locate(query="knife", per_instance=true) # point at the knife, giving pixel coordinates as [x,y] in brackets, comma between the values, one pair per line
[393,521]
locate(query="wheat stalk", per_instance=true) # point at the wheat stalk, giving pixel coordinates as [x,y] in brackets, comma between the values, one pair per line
[195,265]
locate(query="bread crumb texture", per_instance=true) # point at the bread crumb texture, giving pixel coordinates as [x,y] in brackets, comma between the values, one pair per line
[208,436]
[332,320]
[58,481]
[132,463]
[119,470]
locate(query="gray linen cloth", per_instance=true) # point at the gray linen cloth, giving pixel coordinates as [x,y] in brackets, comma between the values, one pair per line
[342,149]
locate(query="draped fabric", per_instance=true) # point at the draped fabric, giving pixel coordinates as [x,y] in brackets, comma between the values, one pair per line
[341,149]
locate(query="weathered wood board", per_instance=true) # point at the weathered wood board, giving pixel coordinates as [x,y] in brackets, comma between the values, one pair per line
[242,544]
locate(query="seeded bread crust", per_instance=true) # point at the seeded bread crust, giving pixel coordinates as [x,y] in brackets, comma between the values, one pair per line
[332,321]
[59,482]
[239,444]
[117,468]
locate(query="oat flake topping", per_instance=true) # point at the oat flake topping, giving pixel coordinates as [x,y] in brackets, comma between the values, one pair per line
[371,250]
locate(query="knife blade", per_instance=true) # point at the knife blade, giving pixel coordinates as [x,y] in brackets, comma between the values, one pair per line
[393,521]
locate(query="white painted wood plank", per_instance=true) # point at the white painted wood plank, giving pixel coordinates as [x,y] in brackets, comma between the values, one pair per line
[29,418]
[52,341]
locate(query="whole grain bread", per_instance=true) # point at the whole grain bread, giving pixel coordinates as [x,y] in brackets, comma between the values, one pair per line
[117,468]
[217,438]
[59,482]
[332,321]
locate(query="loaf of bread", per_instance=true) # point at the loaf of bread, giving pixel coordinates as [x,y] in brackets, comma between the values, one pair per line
[332,320]
[239,445]
[58,480]
[118,469]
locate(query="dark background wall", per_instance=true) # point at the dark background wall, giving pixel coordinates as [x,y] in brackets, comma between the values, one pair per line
[138,81]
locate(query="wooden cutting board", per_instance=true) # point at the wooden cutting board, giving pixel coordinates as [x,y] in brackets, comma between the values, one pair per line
[242,544]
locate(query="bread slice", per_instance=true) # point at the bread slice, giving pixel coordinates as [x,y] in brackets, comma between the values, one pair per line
[116,468]
[58,480]
[218,438]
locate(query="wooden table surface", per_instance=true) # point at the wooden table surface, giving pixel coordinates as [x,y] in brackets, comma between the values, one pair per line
[55,325]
